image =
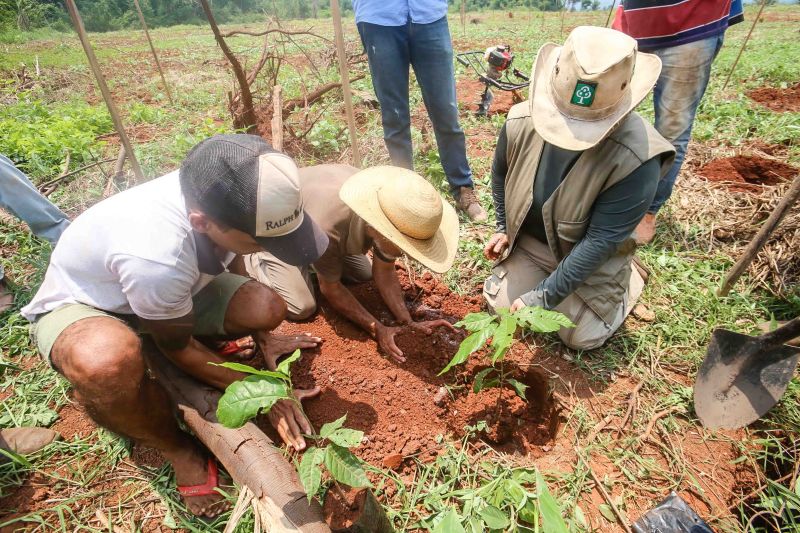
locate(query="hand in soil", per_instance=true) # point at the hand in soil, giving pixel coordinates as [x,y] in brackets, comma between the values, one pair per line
[426,326]
[191,468]
[385,337]
[496,246]
[289,420]
[273,346]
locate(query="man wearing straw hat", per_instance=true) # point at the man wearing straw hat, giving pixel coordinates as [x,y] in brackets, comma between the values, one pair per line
[574,172]
[386,210]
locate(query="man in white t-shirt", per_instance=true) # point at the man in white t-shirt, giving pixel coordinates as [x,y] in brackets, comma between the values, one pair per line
[164,258]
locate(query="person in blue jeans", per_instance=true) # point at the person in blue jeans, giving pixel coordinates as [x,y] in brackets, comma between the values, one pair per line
[19,197]
[687,36]
[398,34]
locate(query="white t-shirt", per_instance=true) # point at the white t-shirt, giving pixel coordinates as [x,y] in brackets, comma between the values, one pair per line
[134,253]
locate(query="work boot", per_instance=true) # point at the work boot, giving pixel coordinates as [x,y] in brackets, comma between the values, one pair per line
[766,327]
[24,441]
[6,297]
[646,230]
[467,201]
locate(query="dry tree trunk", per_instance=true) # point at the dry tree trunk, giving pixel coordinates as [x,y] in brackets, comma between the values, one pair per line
[247,453]
[248,116]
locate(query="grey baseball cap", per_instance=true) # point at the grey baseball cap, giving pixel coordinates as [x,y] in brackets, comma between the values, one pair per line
[241,181]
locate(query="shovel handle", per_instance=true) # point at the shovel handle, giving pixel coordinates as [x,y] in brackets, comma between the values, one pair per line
[781,336]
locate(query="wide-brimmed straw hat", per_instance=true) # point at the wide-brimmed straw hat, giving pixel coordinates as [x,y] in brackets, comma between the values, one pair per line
[581,90]
[403,207]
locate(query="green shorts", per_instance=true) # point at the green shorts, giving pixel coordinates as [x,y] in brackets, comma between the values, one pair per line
[209,306]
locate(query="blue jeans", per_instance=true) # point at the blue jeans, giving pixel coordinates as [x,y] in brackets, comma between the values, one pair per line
[427,48]
[19,197]
[684,77]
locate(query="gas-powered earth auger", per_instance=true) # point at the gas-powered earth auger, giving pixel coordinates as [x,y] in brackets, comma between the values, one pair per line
[492,67]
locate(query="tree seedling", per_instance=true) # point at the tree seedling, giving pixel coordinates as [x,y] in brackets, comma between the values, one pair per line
[262,389]
[500,328]
[335,455]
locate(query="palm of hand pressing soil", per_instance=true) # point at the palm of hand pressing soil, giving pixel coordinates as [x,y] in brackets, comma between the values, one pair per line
[385,336]
[273,346]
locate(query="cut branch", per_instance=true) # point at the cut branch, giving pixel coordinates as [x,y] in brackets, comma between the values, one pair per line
[275,30]
[248,115]
[313,97]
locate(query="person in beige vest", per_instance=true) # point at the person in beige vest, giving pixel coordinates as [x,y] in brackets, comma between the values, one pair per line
[386,210]
[574,172]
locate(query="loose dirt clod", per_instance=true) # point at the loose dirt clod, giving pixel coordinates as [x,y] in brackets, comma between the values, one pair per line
[777,99]
[748,173]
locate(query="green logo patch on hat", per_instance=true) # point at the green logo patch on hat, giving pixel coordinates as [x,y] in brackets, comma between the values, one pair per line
[583,95]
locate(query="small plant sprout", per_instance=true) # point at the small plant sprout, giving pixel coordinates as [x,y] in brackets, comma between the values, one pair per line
[256,393]
[500,328]
[333,451]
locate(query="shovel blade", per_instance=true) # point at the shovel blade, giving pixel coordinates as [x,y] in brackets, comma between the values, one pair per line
[486,101]
[759,380]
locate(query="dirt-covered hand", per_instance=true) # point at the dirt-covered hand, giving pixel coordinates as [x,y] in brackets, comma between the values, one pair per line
[426,326]
[290,421]
[385,337]
[516,305]
[496,246]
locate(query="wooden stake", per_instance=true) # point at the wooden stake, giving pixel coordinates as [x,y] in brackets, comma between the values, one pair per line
[345,75]
[277,118]
[610,12]
[101,82]
[761,238]
[463,18]
[736,61]
[153,49]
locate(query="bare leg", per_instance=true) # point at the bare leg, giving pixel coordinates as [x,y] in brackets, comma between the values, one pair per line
[256,310]
[102,359]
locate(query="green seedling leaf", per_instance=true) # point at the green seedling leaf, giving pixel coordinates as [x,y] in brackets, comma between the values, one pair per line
[515,494]
[470,345]
[284,366]
[345,467]
[247,369]
[245,399]
[580,517]
[519,387]
[349,438]
[476,526]
[451,523]
[549,509]
[494,517]
[503,337]
[607,512]
[541,320]
[529,513]
[475,321]
[310,472]
[330,427]
[481,382]
[15,458]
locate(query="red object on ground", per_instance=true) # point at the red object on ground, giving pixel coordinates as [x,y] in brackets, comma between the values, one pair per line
[206,489]
[777,99]
[229,348]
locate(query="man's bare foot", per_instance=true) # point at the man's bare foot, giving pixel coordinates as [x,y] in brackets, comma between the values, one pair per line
[273,346]
[191,468]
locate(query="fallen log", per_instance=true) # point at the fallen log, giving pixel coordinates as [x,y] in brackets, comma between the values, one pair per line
[247,453]
[295,103]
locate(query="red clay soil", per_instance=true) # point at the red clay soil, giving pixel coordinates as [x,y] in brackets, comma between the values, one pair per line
[777,99]
[748,173]
[396,405]
[469,92]
[342,509]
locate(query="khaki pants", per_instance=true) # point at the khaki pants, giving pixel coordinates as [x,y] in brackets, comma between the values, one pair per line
[293,284]
[530,263]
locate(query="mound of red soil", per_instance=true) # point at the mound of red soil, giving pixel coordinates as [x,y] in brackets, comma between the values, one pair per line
[470,90]
[402,408]
[748,173]
[777,99]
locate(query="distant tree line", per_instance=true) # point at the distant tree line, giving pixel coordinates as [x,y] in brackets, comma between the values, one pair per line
[107,15]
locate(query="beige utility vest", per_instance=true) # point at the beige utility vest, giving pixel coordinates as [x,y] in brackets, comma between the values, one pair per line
[566,213]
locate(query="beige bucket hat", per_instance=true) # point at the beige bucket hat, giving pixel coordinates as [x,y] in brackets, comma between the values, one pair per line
[403,207]
[581,90]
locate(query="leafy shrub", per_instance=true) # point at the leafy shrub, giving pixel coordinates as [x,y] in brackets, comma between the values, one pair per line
[37,137]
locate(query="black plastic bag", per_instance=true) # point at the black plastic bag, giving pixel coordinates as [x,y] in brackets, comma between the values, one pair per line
[673,515]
